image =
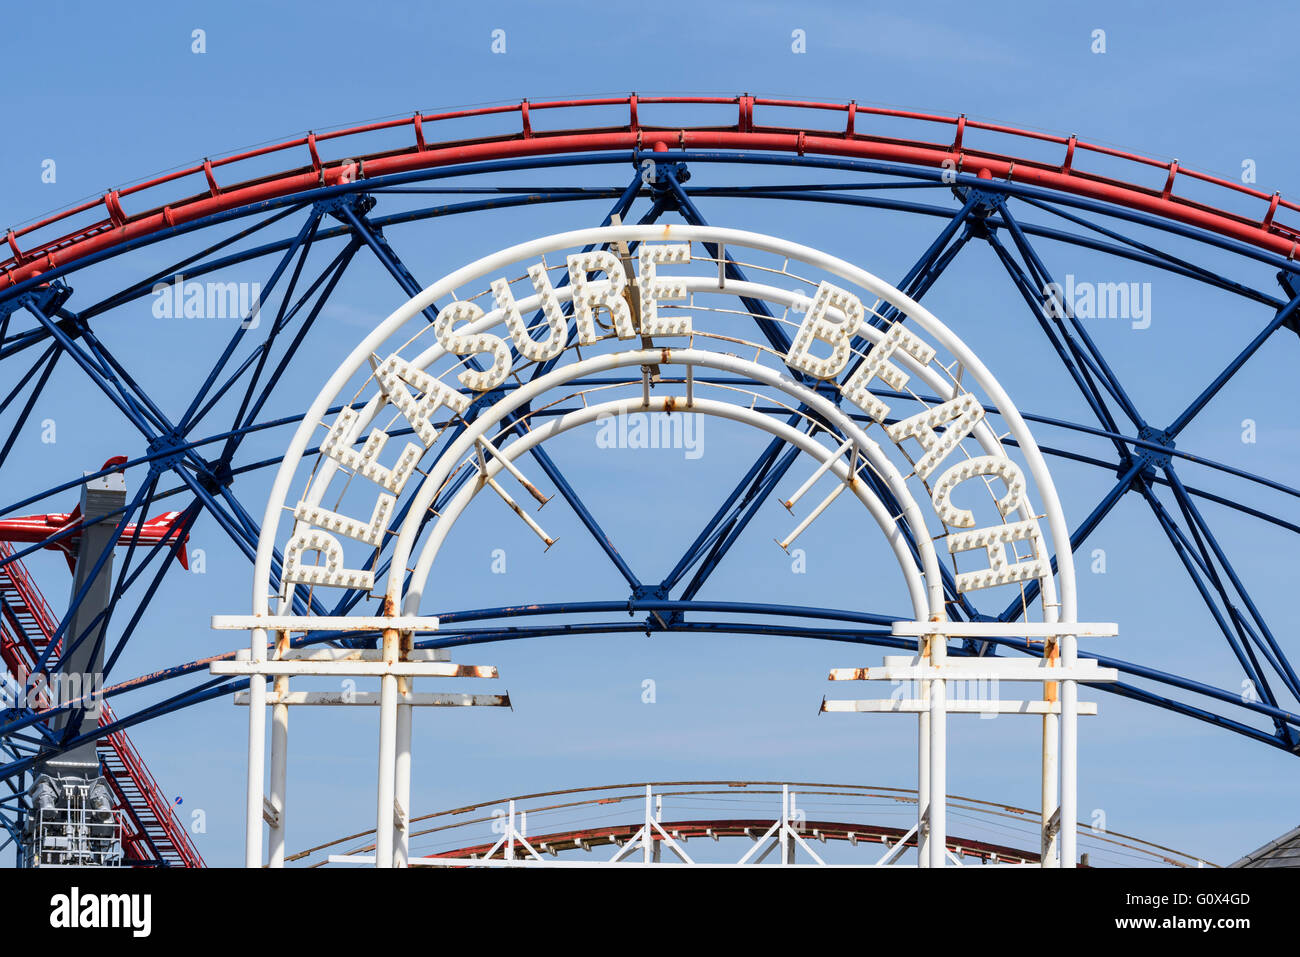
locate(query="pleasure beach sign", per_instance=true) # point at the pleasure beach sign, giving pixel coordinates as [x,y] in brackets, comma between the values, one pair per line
[834,318]
[443,398]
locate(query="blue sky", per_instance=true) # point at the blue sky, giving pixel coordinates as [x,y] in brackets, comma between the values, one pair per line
[113,96]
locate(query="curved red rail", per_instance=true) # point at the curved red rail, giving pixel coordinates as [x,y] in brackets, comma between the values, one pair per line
[117,225]
[752,828]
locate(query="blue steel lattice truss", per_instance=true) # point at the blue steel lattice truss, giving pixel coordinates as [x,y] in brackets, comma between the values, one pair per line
[186,456]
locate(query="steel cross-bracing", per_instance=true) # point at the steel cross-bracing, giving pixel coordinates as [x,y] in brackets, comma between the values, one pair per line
[306,232]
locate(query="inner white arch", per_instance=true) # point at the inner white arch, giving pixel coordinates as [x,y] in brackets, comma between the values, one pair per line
[491,417]
[451,512]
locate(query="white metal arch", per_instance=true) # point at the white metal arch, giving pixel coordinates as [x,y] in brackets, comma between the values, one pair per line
[1064,607]
[1057,600]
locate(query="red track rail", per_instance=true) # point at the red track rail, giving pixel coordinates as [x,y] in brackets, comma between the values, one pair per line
[26,625]
[849,137]
[752,828]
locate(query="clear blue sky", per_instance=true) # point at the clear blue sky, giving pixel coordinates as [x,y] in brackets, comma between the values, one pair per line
[113,93]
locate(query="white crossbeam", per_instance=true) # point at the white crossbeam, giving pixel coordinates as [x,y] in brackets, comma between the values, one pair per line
[324,622]
[419,699]
[1001,629]
[958,706]
[980,669]
[353,669]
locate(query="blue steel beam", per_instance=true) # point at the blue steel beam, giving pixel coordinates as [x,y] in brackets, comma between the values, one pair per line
[169,274]
[1183,549]
[1233,367]
[184,524]
[923,273]
[1068,354]
[304,237]
[866,637]
[1089,348]
[263,352]
[763,318]
[323,284]
[1130,248]
[335,271]
[721,519]
[919,279]
[104,379]
[351,598]
[45,364]
[756,495]
[1201,569]
[1240,634]
[1197,520]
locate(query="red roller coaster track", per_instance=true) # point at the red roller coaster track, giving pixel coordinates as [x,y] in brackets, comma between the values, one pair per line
[458,833]
[587,838]
[46,249]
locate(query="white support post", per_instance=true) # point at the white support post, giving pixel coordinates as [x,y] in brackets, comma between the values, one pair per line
[279,772]
[1069,755]
[402,759]
[923,779]
[256,755]
[397,664]
[787,841]
[386,789]
[510,833]
[647,851]
[402,778]
[659,816]
[387,771]
[938,836]
[1050,806]
[279,760]
[1050,854]
[1058,672]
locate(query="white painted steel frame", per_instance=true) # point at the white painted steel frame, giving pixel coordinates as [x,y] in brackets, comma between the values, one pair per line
[1055,607]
